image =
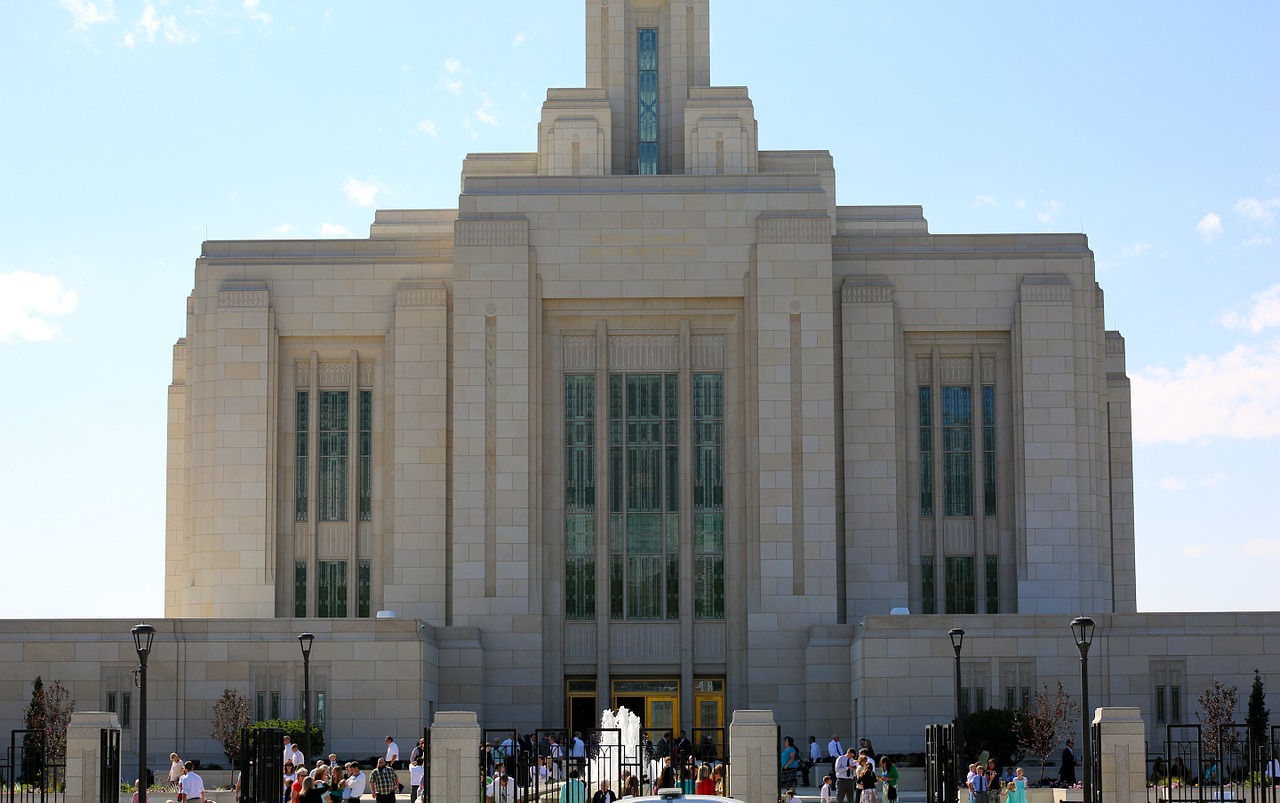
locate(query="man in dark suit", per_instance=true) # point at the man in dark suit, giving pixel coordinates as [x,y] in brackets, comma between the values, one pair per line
[1067,775]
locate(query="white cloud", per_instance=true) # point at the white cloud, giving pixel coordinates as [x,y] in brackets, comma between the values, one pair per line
[333,230]
[256,14]
[1233,395]
[1209,227]
[1262,548]
[1214,480]
[452,66]
[1136,249]
[485,113]
[1196,550]
[453,86]
[1021,203]
[1049,211]
[1256,240]
[27,300]
[1264,311]
[85,12]
[150,24]
[1263,212]
[520,39]
[284,230]
[428,127]
[1172,484]
[983,200]
[362,193]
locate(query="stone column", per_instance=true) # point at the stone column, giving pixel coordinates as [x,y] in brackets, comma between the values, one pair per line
[84,754]
[753,756]
[455,757]
[1123,754]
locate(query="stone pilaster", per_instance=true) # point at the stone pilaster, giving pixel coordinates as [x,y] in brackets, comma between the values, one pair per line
[1123,754]
[753,755]
[455,742]
[84,756]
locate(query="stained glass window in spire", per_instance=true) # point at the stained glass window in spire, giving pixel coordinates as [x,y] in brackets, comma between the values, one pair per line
[647,100]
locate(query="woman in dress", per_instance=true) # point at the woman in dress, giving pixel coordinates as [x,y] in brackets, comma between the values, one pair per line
[705,785]
[889,777]
[1018,788]
[175,771]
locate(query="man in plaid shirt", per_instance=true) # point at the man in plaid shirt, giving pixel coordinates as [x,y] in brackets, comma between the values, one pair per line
[384,783]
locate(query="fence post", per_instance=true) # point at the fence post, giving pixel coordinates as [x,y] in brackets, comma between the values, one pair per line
[753,756]
[455,757]
[1123,755]
[84,748]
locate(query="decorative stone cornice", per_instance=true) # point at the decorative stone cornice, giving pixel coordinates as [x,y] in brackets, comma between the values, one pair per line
[644,352]
[243,295]
[707,352]
[500,232]
[775,229]
[1045,289]
[578,352]
[870,290]
[421,294]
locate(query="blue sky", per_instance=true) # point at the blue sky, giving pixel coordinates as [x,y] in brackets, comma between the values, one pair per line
[135,129]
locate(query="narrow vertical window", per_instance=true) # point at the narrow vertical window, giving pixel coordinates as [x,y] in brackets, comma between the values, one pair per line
[300,588]
[126,710]
[928,598]
[300,498]
[708,496]
[647,100]
[364,480]
[957,451]
[1162,711]
[964,702]
[333,455]
[260,710]
[1175,705]
[926,452]
[275,705]
[960,585]
[988,451]
[111,702]
[364,587]
[320,711]
[579,497]
[331,601]
[644,525]
[993,584]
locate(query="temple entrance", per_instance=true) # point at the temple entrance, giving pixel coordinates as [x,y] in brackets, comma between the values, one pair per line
[655,701]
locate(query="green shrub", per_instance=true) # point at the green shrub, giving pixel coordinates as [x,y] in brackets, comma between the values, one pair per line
[296,731]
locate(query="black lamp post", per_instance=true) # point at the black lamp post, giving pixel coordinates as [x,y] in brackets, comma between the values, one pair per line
[1082,630]
[304,641]
[143,636]
[957,639]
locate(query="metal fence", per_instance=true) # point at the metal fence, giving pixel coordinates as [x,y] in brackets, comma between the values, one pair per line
[29,774]
[941,775]
[1200,766]
[109,766]
[261,766]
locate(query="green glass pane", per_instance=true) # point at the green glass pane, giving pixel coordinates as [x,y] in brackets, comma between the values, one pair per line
[580,534]
[364,592]
[673,479]
[617,584]
[617,532]
[671,387]
[644,586]
[673,534]
[708,533]
[993,584]
[927,590]
[617,481]
[956,407]
[579,396]
[647,50]
[708,587]
[300,588]
[644,532]
[366,409]
[580,589]
[644,478]
[673,587]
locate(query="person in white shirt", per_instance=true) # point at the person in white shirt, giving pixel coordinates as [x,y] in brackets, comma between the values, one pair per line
[846,767]
[192,784]
[295,755]
[393,753]
[827,793]
[834,748]
[356,781]
[288,750]
[815,755]
[416,773]
[503,789]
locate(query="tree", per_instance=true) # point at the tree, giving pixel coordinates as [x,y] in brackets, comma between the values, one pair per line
[1258,718]
[1047,724]
[1219,706]
[230,717]
[48,713]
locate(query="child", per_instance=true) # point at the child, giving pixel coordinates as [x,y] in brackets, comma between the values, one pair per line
[828,794]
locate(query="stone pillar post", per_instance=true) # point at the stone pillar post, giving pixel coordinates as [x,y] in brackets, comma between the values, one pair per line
[753,756]
[84,754]
[1123,755]
[455,757]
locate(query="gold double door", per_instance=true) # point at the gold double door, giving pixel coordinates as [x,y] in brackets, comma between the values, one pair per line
[655,700]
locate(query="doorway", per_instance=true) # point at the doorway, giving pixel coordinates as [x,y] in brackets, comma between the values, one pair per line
[655,701]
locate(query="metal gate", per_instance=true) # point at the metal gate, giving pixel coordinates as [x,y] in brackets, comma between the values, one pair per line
[940,771]
[109,766]
[32,774]
[1095,763]
[1232,768]
[536,773]
[261,765]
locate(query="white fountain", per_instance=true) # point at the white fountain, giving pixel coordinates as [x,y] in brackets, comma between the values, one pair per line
[624,725]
